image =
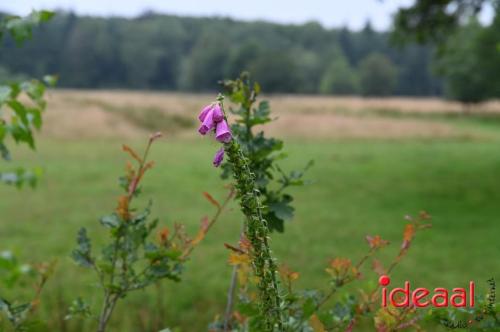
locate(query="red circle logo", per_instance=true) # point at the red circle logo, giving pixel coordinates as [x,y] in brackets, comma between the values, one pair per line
[384,280]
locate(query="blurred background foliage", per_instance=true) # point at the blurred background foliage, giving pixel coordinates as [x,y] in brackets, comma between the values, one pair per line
[166,52]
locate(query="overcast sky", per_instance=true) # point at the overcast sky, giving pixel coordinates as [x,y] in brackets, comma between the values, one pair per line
[331,13]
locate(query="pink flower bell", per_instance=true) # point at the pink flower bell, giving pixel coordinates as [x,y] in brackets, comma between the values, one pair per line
[217,114]
[222,132]
[208,122]
[204,112]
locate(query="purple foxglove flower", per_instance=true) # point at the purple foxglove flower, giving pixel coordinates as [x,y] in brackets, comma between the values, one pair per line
[208,123]
[219,157]
[218,115]
[204,112]
[222,132]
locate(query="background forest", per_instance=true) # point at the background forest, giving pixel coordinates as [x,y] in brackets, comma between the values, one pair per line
[165,52]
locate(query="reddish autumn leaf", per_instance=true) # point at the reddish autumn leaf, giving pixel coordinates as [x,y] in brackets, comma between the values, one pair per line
[316,324]
[132,153]
[122,208]
[212,200]
[233,248]
[204,226]
[376,242]
[408,234]
[287,274]
[163,234]
[199,236]
[340,267]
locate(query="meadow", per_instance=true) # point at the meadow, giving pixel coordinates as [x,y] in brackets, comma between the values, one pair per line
[375,162]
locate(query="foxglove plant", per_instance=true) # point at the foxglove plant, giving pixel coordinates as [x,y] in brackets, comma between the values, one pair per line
[263,152]
[213,119]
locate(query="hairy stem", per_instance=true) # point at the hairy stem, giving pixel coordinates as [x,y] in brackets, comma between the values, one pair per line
[256,231]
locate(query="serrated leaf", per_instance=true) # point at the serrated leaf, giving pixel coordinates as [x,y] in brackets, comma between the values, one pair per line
[282,209]
[111,221]
[82,254]
[19,110]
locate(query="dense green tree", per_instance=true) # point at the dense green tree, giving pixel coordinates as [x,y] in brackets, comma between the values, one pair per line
[378,75]
[206,64]
[488,51]
[310,68]
[276,71]
[415,71]
[347,45]
[467,59]
[433,20]
[461,66]
[339,78]
[91,58]
[240,57]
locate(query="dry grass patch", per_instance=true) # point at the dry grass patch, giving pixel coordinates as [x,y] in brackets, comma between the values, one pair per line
[118,114]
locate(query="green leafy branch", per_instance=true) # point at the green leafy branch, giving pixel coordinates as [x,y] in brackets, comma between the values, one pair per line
[262,152]
[13,273]
[132,260]
[22,103]
[21,28]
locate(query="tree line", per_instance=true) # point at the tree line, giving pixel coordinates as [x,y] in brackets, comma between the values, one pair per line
[166,52]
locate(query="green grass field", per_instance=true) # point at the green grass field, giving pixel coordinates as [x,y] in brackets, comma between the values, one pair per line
[359,187]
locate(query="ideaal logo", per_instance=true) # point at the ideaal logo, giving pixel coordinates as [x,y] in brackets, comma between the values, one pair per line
[440,297]
[421,297]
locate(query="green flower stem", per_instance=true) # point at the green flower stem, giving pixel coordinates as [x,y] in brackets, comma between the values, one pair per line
[256,230]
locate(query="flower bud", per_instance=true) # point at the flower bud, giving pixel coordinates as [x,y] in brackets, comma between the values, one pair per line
[219,157]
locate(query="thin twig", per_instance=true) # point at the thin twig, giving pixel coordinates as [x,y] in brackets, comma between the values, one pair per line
[231,290]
